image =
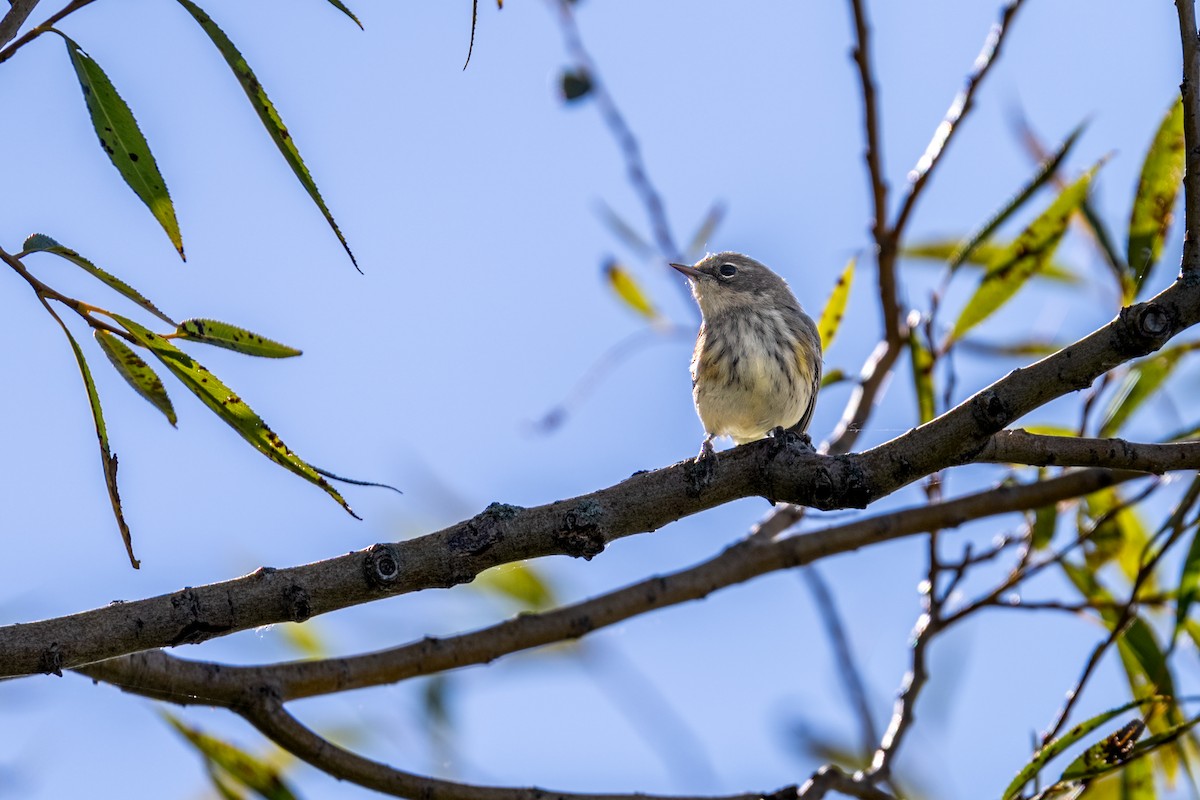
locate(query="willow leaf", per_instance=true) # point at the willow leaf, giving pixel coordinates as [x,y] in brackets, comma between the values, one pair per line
[1158,188]
[1189,583]
[703,233]
[41,243]
[107,459]
[340,6]
[228,406]
[137,373]
[267,113]
[249,770]
[123,141]
[1046,171]
[1099,760]
[835,306]
[231,337]
[1139,385]
[631,293]
[982,255]
[520,583]
[922,372]
[1024,257]
[1047,753]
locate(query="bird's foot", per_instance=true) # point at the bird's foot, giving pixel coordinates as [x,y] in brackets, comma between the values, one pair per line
[782,438]
[704,466]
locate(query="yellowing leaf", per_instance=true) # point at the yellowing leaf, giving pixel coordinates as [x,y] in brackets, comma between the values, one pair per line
[1024,257]
[137,373]
[835,306]
[623,283]
[519,582]
[981,255]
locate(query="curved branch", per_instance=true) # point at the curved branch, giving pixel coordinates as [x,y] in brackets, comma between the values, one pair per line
[159,675]
[1021,447]
[1190,90]
[274,722]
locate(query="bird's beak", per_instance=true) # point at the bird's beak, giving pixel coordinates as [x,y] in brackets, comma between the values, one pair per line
[691,272]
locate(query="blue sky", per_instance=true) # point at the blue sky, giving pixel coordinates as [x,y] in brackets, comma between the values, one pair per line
[469,199]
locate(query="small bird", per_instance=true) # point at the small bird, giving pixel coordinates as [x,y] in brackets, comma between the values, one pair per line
[757,363]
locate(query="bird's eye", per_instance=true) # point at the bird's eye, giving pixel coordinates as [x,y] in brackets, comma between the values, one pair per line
[728,270]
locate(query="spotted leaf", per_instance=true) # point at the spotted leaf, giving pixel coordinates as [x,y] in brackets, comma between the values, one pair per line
[137,373]
[222,334]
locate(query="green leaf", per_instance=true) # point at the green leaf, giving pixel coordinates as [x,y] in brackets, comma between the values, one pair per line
[1018,349]
[137,373]
[1047,753]
[981,256]
[1101,759]
[107,459]
[267,113]
[342,8]
[305,638]
[624,231]
[519,582]
[922,373]
[835,306]
[41,243]
[1189,583]
[1113,750]
[830,377]
[1045,522]
[222,334]
[122,140]
[1158,188]
[251,771]
[228,406]
[1141,383]
[1046,171]
[1024,257]
[1116,532]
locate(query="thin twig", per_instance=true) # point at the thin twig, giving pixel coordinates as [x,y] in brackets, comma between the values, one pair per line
[14,18]
[959,108]
[832,779]
[873,155]
[847,666]
[37,31]
[1190,90]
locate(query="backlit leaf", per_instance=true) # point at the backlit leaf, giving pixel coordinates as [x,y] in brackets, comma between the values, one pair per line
[1099,760]
[922,372]
[1024,257]
[227,405]
[267,113]
[981,256]
[627,288]
[222,334]
[519,582]
[708,225]
[41,243]
[137,373]
[1052,749]
[1189,582]
[122,140]
[1158,188]
[835,306]
[1141,383]
[1045,172]
[249,770]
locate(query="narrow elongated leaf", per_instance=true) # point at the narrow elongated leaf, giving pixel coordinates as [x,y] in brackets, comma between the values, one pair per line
[123,141]
[1043,527]
[1091,765]
[835,306]
[624,231]
[249,770]
[340,6]
[1158,188]
[922,372]
[630,292]
[267,113]
[1043,756]
[41,243]
[1113,750]
[1189,583]
[231,337]
[137,373]
[1046,171]
[1139,385]
[107,459]
[227,405]
[982,255]
[1024,257]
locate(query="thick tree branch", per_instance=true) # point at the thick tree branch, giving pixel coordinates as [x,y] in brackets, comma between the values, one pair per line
[159,675]
[1021,447]
[583,526]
